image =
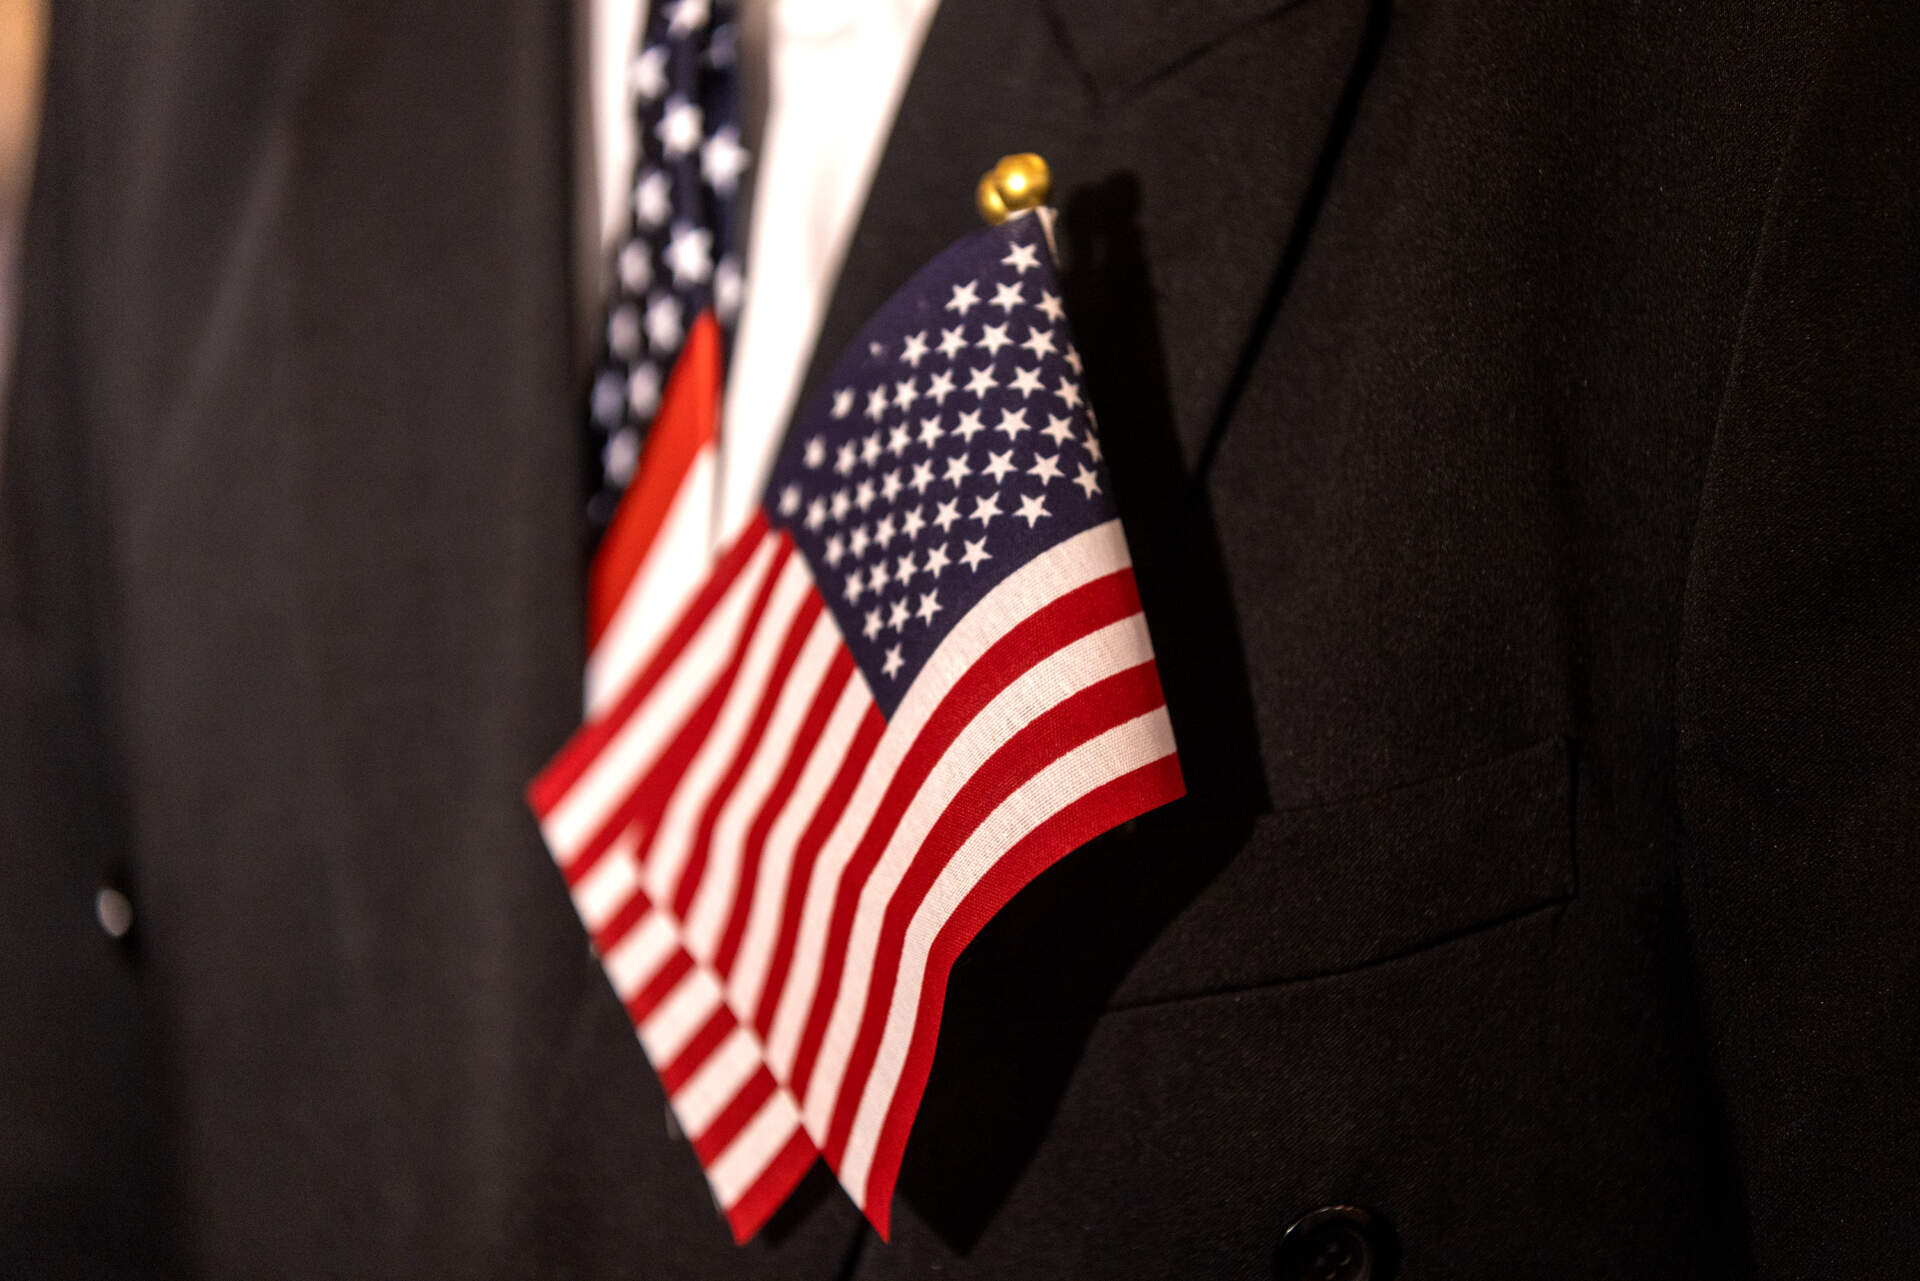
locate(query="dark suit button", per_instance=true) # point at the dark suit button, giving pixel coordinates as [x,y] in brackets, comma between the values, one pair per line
[1338,1243]
[114,910]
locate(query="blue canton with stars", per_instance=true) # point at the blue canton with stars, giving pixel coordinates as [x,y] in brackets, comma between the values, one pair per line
[950,446]
[680,253]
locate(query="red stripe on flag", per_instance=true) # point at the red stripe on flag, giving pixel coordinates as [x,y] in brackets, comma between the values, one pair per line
[864,741]
[648,798]
[615,928]
[1066,725]
[631,807]
[655,989]
[665,777]
[688,419]
[839,672]
[1100,810]
[1059,623]
[757,1204]
[733,1118]
[573,760]
[717,1028]
[789,652]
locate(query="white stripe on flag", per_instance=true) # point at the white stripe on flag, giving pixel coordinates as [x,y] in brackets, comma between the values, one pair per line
[714,901]
[750,968]
[1090,554]
[739,1167]
[1094,657]
[625,759]
[724,1073]
[716,1083]
[671,1024]
[666,857]
[1096,762]
[636,958]
[1079,560]
[606,889]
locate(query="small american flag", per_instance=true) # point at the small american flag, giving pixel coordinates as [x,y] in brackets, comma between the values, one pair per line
[915,680]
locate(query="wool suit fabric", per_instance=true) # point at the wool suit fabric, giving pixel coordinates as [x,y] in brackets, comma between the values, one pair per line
[1512,410]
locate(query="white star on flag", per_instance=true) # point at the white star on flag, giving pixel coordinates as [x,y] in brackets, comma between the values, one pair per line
[1025,381]
[1032,508]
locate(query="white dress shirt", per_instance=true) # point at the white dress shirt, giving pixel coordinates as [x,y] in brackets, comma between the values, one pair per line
[22,42]
[836,71]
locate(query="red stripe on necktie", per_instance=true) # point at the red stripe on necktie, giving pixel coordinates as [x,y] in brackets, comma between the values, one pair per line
[688,420]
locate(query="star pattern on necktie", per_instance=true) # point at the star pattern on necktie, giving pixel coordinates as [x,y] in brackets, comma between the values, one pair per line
[951,444]
[681,250]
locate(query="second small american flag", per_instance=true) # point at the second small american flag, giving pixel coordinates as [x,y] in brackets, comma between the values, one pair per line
[915,680]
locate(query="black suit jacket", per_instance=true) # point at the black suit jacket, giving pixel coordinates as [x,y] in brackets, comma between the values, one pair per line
[1512,412]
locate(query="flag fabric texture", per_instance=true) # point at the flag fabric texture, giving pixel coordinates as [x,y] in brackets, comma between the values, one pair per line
[918,677]
[676,287]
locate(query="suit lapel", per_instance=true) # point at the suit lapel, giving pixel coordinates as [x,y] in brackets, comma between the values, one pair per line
[1221,184]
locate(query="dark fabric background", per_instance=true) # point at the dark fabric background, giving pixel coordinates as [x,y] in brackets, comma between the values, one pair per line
[1512,409]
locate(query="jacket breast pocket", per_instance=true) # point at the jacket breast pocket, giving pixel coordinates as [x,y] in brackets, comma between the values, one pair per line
[1338,887]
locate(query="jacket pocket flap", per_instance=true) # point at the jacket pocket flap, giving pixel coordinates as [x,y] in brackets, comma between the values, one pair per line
[1336,887]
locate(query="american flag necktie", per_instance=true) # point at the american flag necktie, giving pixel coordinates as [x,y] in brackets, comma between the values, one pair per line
[916,678]
[676,291]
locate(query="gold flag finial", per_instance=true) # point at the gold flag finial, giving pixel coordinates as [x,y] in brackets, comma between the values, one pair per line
[1016,183]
